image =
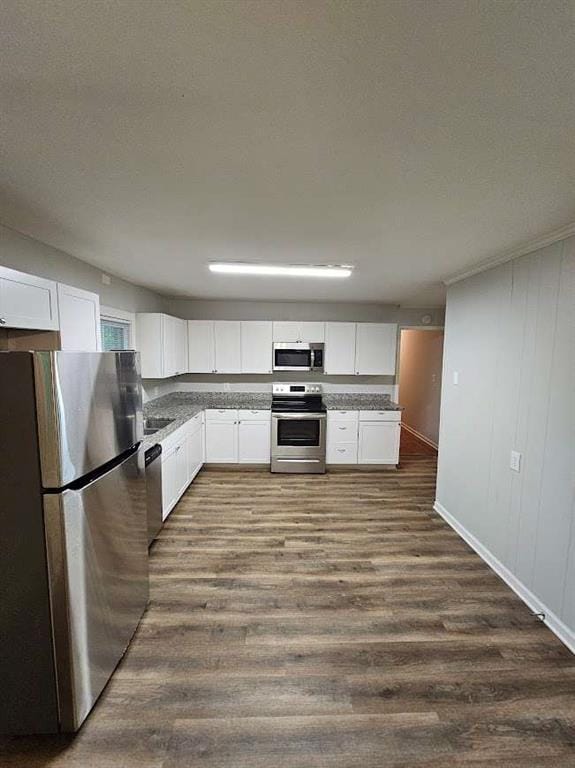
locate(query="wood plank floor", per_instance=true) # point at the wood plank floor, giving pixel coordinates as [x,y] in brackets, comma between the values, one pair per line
[324,621]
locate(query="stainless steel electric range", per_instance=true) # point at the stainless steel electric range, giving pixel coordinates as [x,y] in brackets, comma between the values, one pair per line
[298,428]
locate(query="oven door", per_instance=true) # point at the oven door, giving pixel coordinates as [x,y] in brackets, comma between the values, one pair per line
[292,356]
[298,442]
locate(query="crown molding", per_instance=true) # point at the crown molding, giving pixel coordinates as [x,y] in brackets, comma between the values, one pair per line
[528,247]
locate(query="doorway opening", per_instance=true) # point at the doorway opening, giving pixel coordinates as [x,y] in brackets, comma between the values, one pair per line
[420,367]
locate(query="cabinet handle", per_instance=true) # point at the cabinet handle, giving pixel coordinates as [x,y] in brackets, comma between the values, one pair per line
[341,450]
[342,428]
[2,321]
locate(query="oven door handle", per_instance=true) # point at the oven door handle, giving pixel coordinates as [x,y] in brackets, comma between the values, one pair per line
[307,416]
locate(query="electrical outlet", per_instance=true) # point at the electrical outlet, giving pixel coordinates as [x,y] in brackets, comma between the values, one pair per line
[455,378]
[515,461]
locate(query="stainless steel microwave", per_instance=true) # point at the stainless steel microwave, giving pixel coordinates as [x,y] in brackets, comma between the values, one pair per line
[298,356]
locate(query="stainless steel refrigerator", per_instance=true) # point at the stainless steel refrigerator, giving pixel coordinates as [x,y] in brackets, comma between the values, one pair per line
[73,531]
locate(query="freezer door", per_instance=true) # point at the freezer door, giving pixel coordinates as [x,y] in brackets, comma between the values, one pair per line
[89,410]
[97,546]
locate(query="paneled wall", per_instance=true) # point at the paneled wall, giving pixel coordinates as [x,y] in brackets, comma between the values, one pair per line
[510,340]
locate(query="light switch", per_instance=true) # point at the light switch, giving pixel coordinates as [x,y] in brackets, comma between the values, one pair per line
[456,377]
[515,461]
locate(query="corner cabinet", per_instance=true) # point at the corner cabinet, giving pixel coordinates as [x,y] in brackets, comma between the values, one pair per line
[27,301]
[163,345]
[79,312]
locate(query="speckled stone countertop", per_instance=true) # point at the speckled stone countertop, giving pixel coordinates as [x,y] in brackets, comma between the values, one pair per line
[182,406]
[353,402]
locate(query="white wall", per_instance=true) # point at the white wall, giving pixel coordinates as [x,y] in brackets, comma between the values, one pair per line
[196,309]
[28,255]
[510,334]
[420,364]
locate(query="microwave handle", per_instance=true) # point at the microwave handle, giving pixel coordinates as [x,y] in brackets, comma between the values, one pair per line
[313,365]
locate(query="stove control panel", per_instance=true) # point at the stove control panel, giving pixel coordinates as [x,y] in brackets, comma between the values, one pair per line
[296,389]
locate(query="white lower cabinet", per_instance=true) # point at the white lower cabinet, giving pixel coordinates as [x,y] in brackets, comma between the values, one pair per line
[238,437]
[173,472]
[378,442]
[341,437]
[363,437]
[254,441]
[182,459]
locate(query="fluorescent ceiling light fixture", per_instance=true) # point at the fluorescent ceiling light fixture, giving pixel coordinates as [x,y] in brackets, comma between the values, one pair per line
[281,270]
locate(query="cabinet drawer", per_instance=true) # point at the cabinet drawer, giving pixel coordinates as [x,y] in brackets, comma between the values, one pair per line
[195,423]
[173,439]
[342,453]
[341,431]
[380,415]
[256,414]
[221,414]
[342,415]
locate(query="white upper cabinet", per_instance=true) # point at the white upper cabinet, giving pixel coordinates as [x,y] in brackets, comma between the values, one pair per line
[312,332]
[340,348]
[175,346]
[298,331]
[286,331]
[27,301]
[256,346]
[201,346]
[375,349]
[163,344]
[227,346]
[79,319]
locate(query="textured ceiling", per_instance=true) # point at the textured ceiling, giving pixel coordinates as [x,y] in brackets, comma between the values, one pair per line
[412,139]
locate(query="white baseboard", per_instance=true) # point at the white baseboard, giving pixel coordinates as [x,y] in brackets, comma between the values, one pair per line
[561,630]
[419,435]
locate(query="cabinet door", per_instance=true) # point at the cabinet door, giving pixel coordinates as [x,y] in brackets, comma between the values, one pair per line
[79,319]
[27,301]
[195,454]
[182,466]
[201,346]
[254,442]
[256,346]
[312,332]
[222,442]
[169,349]
[286,331]
[227,346]
[340,348]
[150,337]
[181,346]
[378,443]
[375,349]
[169,481]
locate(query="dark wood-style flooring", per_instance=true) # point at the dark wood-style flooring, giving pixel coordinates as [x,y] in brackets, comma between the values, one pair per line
[327,621]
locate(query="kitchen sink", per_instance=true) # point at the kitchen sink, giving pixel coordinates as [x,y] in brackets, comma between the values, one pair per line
[153,424]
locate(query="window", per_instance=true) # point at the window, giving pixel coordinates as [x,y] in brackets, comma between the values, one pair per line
[115,335]
[117,327]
